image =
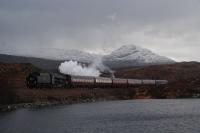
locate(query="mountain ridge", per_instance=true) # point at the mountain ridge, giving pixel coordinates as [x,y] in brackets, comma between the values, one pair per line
[132,55]
[125,56]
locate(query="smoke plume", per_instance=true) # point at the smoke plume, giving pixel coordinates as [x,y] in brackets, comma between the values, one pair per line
[74,68]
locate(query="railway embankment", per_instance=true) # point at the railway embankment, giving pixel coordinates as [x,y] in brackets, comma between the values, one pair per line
[42,104]
[184,82]
[78,96]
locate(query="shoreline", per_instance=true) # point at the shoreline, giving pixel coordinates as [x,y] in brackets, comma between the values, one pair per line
[40,104]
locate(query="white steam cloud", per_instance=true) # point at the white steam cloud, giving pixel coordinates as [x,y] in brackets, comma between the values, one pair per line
[74,68]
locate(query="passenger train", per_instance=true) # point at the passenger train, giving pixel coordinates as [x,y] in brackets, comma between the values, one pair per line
[55,80]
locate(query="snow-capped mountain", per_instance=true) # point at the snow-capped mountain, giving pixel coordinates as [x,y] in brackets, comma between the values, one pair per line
[125,56]
[131,55]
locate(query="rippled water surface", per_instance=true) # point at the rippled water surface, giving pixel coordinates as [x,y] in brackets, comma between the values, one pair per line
[138,116]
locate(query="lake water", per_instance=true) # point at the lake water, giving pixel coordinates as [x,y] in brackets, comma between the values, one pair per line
[132,116]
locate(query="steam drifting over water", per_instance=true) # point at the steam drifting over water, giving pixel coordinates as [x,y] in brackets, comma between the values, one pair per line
[74,68]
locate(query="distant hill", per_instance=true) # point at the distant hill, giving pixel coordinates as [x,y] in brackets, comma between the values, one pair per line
[125,56]
[45,64]
[17,68]
[172,72]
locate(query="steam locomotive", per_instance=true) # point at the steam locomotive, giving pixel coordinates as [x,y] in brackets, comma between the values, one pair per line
[55,80]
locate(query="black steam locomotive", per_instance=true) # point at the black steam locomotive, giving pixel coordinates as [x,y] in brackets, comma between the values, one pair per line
[55,80]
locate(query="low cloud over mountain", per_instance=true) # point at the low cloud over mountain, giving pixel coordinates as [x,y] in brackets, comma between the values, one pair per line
[125,56]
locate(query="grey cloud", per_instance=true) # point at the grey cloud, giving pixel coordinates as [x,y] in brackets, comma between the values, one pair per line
[101,25]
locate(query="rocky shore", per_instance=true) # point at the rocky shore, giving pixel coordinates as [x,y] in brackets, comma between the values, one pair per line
[40,104]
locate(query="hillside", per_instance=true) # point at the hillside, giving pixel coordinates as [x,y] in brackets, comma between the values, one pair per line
[184,81]
[184,77]
[13,88]
[46,64]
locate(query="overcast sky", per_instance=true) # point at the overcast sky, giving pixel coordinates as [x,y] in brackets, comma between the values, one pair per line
[168,27]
